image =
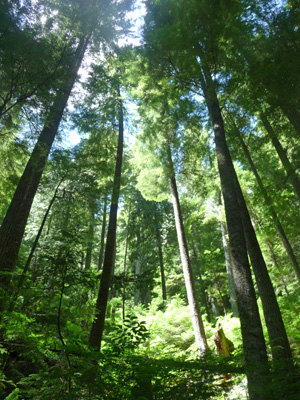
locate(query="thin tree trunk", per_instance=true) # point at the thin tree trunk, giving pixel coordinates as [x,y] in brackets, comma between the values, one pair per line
[125,264]
[202,287]
[276,264]
[292,115]
[186,265]
[98,324]
[13,226]
[256,360]
[228,265]
[160,255]
[290,170]
[31,254]
[138,267]
[101,252]
[270,246]
[273,213]
[89,248]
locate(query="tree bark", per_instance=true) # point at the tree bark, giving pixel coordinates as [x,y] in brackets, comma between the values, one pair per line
[98,324]
[186,265]
[272,211]
[256,361]
[101,252]
[292,115]
[228,265]
[278,338]
[160,255]
[125,264]
[290,170]
[13,226]
[89,248]
[35,243]
[202,288]
[138,267]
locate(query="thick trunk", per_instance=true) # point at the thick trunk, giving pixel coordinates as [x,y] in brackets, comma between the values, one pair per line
[13,226]
[101,252]
[186,265]
[290,170]
[278,338]
[228,265]
[256,361]
[273,213]
[160,255]
[98,324]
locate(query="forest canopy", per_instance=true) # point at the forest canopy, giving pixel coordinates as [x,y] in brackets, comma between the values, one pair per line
[158,257]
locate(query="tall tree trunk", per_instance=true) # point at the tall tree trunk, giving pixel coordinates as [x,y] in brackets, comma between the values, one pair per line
[125,265]
[273,213]
[228,265]
[258,226]
[101,252]
[276,264]
[292,115]
[89,247]
[290,170]
[98,324]
[13,226]
[138,268]
[203,294]
[278,338]
[31,254]
[256,361]
[160,255]
[186,265]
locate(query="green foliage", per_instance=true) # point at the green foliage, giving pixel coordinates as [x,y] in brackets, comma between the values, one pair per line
[128,335]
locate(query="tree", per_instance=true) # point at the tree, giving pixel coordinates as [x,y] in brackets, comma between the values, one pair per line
[98,324]
[13,226]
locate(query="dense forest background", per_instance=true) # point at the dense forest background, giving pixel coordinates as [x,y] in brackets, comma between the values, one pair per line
[158,258]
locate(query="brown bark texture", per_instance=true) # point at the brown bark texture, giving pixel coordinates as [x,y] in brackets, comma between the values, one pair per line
[101,304]
[273,213]
[255,354]
[160,255]
[290,170]
[186,265]
[14,223]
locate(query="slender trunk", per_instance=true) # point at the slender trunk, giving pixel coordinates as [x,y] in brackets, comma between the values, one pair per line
[98,324]
[202,287]
[89,248]
[101,252]
[292,115]
[290,170]
[228,265]
[13,226]
[31,254]
[138,267]
[125,264]
[276,264]
[270,245]
[186,265]
[160,255]
[273,213]
[256,361]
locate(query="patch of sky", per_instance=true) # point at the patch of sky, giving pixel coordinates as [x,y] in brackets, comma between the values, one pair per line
[71,136]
